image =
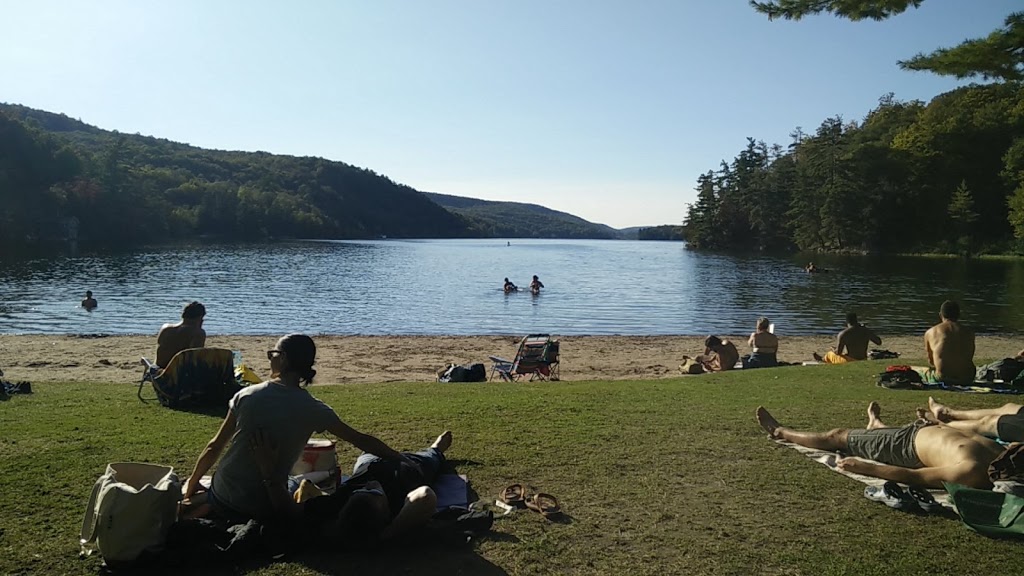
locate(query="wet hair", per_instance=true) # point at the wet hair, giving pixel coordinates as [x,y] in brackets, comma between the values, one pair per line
[300,351]
[193,311]
[851,318]
[712,341]
[950,310]
[762,323]
[359,522]
[535,277]
[88,293]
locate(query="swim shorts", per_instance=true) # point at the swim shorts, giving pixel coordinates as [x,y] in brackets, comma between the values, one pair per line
[893,446]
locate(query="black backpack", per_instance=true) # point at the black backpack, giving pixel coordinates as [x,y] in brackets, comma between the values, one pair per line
[465,373]
[900,378]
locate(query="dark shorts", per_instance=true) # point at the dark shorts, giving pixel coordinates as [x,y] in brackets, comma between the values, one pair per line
[893,446]
[1010,428]
[396,478]
[760,360]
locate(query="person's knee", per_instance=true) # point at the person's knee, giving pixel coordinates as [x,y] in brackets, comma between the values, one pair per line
[423,497]
[837,436]
[1010,408]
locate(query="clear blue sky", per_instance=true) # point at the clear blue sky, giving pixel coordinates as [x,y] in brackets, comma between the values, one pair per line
[605,109]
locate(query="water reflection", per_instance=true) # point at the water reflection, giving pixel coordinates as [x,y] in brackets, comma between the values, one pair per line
[454,287]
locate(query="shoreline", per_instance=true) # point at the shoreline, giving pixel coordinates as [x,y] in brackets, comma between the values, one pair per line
[374,359]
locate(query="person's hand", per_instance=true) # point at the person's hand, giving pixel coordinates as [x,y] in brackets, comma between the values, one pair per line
[264,451]
[855,466]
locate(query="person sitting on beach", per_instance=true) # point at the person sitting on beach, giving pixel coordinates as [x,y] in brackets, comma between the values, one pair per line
[851,344]
[949,346]
[282,410]
[719,355]
[188,333]
[1005,423]
[536,285]
[510,287]
[89,302]
[764,347]
[919,454]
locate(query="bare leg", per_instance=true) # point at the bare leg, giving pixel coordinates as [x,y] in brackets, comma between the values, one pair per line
[831,440]
[946,414]
[874,416]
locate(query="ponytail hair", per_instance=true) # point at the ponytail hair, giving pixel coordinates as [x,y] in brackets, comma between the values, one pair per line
[300,351]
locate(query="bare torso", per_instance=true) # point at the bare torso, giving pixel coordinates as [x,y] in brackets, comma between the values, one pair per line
[950,349]
[174,338]
[942,446]
[854,341]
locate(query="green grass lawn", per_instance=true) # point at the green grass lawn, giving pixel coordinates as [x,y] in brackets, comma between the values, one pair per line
[657,477]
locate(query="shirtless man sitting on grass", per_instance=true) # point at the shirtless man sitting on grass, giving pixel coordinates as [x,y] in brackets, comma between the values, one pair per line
[919,454]
[1005,422]
[950,347]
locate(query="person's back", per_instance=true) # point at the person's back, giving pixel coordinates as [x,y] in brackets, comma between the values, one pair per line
[89,302]
[188,333]
[853,341]
[950,347]
[728,355]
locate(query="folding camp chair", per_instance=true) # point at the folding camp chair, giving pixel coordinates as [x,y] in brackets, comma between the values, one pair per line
[199,377]
[537,356]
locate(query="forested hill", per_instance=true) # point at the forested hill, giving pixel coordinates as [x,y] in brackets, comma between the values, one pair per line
[519,220]
[61,178]
[946,176]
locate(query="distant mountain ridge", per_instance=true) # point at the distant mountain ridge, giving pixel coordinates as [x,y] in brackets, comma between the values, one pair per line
[66,180]
[521,220]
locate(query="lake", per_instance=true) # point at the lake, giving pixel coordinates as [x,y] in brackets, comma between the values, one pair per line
[454,287]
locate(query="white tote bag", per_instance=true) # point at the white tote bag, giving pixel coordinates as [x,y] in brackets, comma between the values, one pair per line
[132,508]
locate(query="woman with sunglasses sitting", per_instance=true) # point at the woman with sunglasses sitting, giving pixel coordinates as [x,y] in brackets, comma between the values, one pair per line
[280,409]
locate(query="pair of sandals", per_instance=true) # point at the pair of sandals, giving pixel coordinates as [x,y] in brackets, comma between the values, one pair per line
[515,495]
[913,499]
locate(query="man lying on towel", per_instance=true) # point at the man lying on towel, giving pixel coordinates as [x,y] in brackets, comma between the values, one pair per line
[382,499]
[1005,422]
[924,453]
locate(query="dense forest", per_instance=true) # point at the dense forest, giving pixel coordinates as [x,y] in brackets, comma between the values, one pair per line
[946,176]
[62,179]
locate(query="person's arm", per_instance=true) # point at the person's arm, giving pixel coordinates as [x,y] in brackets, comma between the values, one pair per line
[841,342]
[873,337]
[928,349]
[931,477]
[750,341]
[264,451]
[365,442]
[211,453]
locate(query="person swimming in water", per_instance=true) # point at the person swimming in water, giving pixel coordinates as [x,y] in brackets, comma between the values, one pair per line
[510,287]
[536,285]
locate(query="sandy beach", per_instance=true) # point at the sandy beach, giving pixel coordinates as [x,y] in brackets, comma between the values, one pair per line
[364,359]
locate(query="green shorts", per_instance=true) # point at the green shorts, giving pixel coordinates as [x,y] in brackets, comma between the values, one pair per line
[893,446]
[1010,428]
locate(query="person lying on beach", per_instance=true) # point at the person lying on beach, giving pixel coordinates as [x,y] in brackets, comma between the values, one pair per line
[949,346]
[764,347]
[923,453]
[510,287]
[280,409]
[718,355]
[1005,423]
[851,343]
[89,302]
[536,285]
[188,333]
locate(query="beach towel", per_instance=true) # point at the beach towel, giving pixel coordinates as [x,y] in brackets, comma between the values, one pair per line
[196,377]
[978,387]
[829,459]
[451,490]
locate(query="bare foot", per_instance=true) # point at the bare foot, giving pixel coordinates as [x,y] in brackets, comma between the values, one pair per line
[443,442]
[817,357]
[927,416]
[874,415]
[941,412]
[768,422]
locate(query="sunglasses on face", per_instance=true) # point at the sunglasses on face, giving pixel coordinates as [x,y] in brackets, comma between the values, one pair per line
[271,354]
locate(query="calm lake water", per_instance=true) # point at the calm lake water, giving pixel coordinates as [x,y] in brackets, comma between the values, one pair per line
[454,287]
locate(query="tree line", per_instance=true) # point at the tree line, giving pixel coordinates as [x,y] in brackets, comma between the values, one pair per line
[61,179]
